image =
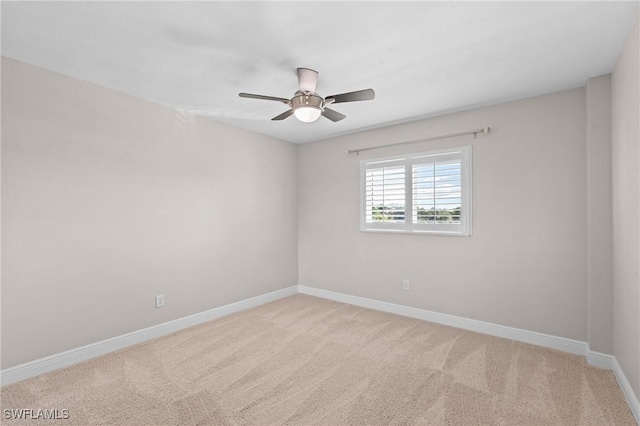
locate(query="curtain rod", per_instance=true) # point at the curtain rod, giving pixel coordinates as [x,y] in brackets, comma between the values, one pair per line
[469,132]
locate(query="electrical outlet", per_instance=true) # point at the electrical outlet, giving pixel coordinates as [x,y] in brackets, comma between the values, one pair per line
[160,301]
[405,285]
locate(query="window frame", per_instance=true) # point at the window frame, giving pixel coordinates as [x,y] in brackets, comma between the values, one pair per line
[463,153]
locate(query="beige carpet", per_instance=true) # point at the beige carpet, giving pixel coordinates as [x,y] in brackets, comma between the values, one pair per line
[305,361]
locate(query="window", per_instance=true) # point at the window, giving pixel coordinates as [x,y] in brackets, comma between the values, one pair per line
[429,192]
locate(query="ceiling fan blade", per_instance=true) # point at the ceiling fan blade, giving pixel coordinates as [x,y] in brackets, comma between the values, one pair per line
[266,98]
[359,95]
[282,116]
[333,115]
[307,80]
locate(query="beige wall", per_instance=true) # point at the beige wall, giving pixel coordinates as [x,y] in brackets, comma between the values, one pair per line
[525,264]
[625,91]
[108,200]
[599,213]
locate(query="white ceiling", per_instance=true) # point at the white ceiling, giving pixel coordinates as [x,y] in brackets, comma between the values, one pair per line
[422,58]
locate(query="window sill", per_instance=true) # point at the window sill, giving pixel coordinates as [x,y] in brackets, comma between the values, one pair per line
[415,232]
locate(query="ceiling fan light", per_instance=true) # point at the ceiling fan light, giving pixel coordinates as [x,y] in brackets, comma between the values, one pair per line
[307,114]
[307,107]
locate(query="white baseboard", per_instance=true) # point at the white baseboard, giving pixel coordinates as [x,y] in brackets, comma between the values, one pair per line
[577,347]
[610,362]
[539,339]
[632,398]
[73,356]
[600,360]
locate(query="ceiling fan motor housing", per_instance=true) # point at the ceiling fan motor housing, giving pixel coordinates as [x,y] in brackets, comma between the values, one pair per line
[306,100]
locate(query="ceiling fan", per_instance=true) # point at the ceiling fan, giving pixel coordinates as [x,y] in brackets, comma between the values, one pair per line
[307,105]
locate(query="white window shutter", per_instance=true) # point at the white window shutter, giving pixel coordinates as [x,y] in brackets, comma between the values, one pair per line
[428,192]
